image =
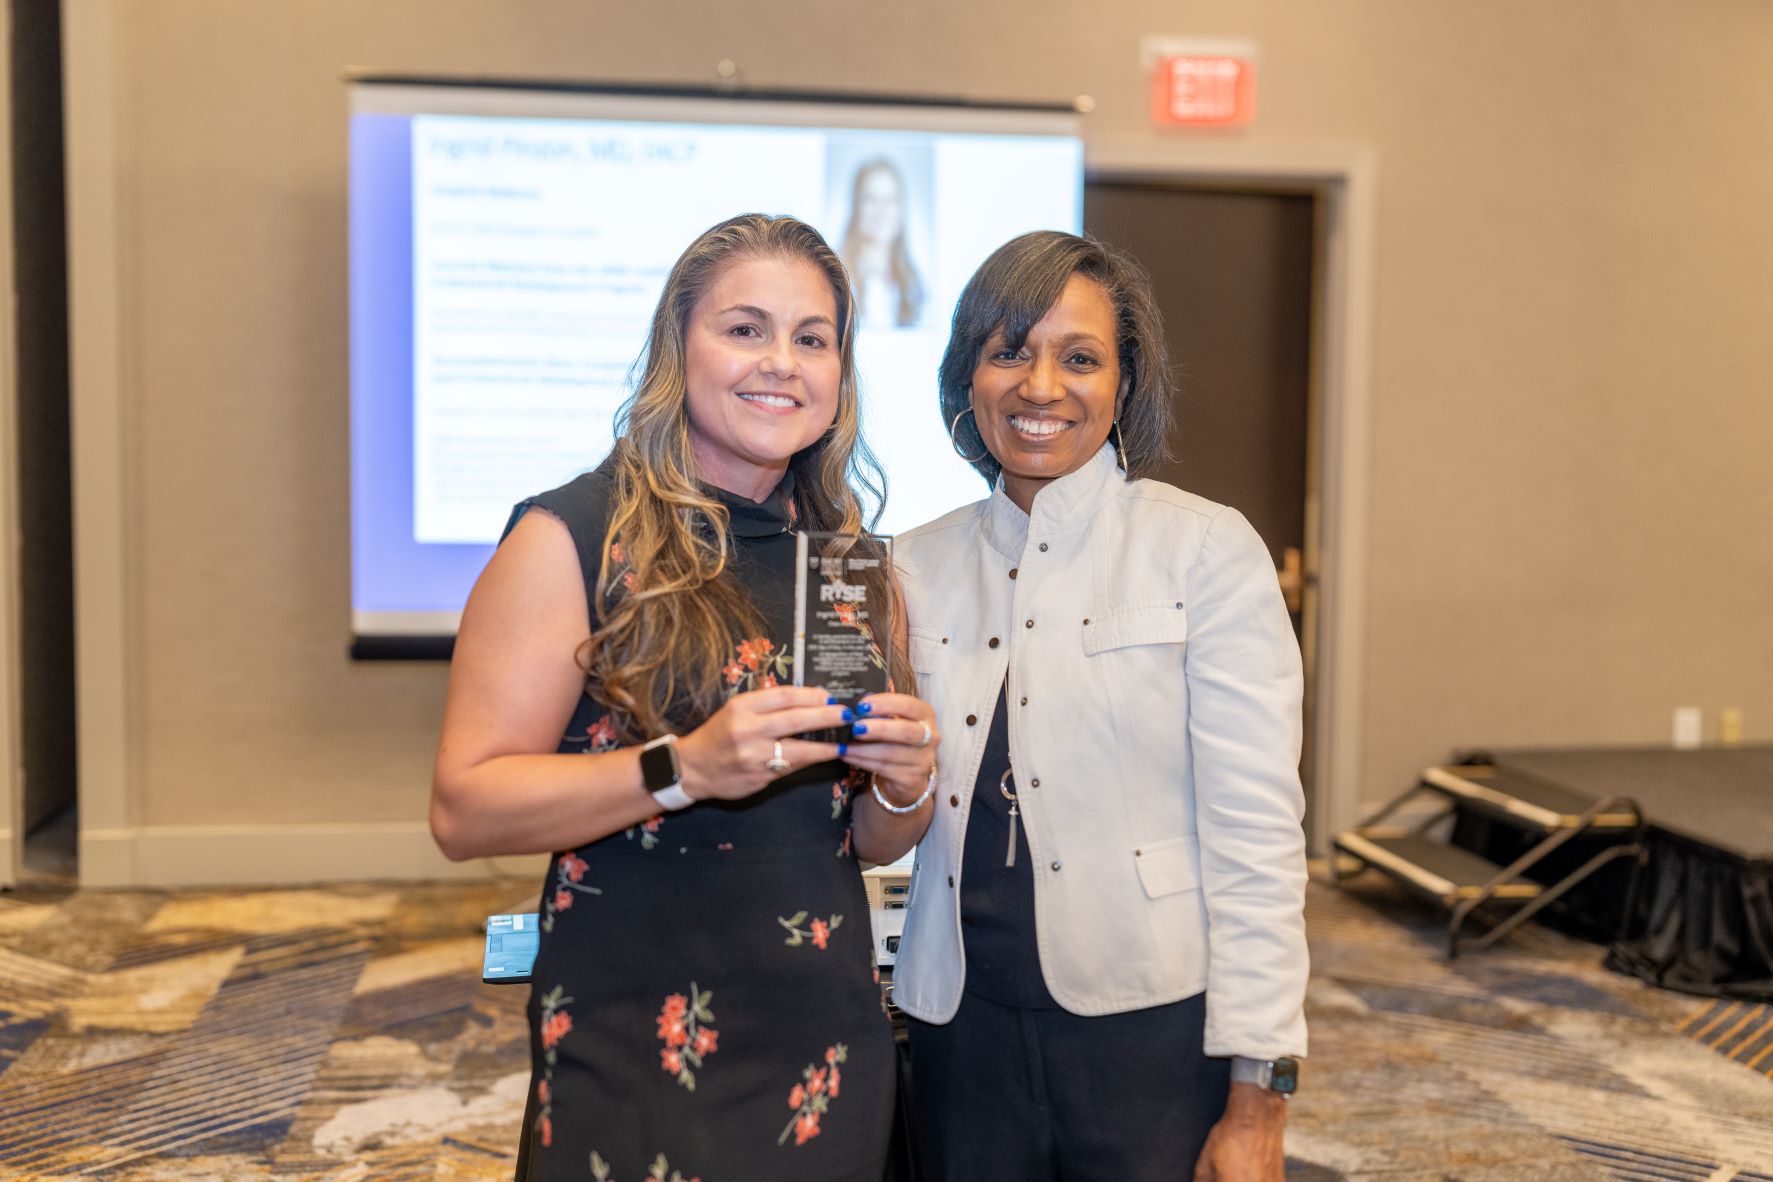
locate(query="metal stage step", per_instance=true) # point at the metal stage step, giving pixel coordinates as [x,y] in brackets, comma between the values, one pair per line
[1464,882]
[1524,799]
[1441,871]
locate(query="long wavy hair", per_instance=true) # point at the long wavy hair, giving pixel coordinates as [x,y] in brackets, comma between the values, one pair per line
[905,277]
[665,634]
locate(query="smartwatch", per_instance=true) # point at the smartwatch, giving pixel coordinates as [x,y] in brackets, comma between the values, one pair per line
[1277,1075]
[663,775]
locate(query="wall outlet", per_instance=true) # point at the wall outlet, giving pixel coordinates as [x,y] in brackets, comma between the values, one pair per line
[1689,727]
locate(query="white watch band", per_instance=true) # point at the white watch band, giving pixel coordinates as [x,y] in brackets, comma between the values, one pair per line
[673,798]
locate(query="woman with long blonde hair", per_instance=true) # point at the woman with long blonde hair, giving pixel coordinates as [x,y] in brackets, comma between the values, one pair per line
[704,1000]
[889,290]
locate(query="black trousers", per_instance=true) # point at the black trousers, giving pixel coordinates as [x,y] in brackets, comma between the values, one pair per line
[1046,1096]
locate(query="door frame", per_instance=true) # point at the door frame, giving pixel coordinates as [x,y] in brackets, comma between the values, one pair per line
[1343,179]
[12,779]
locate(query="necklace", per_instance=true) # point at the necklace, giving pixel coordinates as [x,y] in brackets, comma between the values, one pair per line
[1003,786]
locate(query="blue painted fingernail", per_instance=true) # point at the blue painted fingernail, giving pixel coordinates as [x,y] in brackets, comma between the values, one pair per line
[864,707]
[861,728]
[842,750]
[832,701]
[849,715]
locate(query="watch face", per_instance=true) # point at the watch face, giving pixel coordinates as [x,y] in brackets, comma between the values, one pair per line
[658,766]
[1286,1076]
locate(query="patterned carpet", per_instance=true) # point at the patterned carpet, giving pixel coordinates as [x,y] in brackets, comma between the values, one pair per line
[344,1034]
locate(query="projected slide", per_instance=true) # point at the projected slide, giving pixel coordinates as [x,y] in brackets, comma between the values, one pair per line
[505,268]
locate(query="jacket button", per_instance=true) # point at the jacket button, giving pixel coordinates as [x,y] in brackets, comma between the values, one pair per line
[951,880]
[954,800]
[1055,871]
[972,720]
[1029,624]
[1034,783]
[1013,571]
[1178,605]
[992,643]
[945,639]
[1024,701]
[1043,547]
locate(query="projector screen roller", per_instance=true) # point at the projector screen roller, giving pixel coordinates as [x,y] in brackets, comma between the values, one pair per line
[508,246]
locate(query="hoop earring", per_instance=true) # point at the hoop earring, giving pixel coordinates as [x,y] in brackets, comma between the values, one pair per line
[954,426]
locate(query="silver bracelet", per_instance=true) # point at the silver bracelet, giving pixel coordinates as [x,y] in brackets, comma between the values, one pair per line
[900,810]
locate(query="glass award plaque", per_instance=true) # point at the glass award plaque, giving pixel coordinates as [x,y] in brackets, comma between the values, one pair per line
[842,636]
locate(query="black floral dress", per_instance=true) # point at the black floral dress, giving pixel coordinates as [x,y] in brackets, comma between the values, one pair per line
[705,1003]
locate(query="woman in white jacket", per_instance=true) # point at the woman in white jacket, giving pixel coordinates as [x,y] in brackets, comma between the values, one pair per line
[1104,958]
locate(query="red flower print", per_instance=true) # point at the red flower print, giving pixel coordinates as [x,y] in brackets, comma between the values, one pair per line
[671,1030]
[733,671]
[556,1028]
[616,553]
[818,932]
[754,652]
[628,581]
[812,1098]
[769,681]
[689,1040]
[846,614]
[602,733]
[542,1090]
[651,824]
[573,866]
[563,900]
[547,1131]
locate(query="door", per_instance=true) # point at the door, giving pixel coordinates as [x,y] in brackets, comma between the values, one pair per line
[1234,275]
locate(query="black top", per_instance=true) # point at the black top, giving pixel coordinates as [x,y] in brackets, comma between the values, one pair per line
[704,994]
[997,901]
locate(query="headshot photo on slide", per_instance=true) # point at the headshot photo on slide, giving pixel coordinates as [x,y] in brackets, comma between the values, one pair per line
[879,196]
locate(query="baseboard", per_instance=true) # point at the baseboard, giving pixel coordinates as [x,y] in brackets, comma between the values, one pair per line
[279,855]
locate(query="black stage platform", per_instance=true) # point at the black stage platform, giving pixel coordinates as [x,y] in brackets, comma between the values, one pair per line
[1701,913]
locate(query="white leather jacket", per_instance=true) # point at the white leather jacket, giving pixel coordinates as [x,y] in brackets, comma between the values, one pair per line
[1154,722]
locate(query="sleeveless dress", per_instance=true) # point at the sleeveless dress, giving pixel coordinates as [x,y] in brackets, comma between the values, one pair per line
[704,1002]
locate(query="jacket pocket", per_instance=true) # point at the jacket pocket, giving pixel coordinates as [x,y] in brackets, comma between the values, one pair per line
[1168,866]
[1129,624]
[929,652]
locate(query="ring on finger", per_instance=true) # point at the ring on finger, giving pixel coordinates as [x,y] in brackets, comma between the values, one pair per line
[776,763]
[927,734]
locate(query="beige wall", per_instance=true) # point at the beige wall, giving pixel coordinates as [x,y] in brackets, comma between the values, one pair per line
[1571,415]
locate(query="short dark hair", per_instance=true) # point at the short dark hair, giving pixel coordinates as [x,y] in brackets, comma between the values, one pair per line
[1018,285]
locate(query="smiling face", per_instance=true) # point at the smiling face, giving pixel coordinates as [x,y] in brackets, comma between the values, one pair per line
[762,369]
[1045,409]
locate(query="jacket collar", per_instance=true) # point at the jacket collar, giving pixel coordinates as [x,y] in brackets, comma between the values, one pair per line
[1073,498]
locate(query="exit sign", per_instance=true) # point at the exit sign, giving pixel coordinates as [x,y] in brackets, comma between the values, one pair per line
[1201,83]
